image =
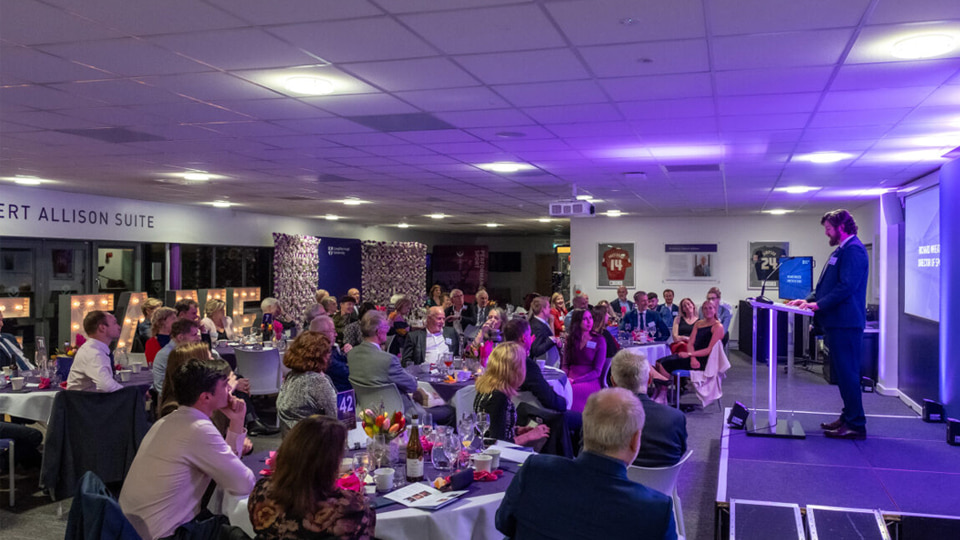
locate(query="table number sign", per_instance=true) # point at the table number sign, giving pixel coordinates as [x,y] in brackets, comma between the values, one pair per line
[347,409]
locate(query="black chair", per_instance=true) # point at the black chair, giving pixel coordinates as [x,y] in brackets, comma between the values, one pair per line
[95,514]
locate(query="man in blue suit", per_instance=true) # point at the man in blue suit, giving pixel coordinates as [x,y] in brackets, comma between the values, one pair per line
[642,318]
[590,496]
[839,303]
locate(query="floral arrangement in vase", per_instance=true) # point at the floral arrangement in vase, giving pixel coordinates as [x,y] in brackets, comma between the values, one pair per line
[381,424]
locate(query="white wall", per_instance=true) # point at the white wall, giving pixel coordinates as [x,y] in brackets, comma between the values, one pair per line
[730,265]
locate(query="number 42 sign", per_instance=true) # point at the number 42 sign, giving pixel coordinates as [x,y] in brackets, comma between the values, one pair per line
[347,409]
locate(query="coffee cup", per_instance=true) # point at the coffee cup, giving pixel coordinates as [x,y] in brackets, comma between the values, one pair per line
[16,383]
[7,370]
[125,375]
[136,368]
[541,364]
[494,454]
[482,462]
[383,477]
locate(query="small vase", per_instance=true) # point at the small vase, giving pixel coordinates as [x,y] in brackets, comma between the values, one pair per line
[383,452]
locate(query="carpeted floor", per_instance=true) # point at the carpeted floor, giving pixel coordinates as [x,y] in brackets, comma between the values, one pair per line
[36,518]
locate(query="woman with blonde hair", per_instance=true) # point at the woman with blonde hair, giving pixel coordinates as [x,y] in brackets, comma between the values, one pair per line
[306,390]
[490,334]
[558,309]
[399,328]
[143,327]
[506,370]
[216,321]
[160,324]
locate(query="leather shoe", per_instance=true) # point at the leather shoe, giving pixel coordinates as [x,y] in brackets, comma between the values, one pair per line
[843,432]
[836,424]
[257,428]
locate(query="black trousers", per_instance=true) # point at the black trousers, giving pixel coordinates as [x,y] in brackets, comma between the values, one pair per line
[27,441]
[845,346]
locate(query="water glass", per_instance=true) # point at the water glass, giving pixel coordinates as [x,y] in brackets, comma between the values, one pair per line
[361,465]
[483,423]
[438,455]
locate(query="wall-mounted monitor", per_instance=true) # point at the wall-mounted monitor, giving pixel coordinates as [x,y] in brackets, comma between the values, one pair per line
[921,254]
[796,277]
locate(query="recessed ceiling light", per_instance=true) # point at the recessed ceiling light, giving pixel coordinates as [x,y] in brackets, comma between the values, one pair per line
[511,134]
[796,190]
[493,225]
[777,211]
[25,180]
[403,225]
[925,46]
[222,204]
[614,213]
[823,157]
[196,177]
[874,192]
[505,166]
[310,86]
[436,216]
[331,217]
[584,197]
[353,202]
[544,220]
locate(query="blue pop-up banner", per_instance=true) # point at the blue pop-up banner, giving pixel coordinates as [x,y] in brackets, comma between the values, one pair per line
[339,266]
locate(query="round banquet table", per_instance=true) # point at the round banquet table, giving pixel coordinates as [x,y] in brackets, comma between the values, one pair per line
[652,351]
[435,384]
[470,516]
[35,404]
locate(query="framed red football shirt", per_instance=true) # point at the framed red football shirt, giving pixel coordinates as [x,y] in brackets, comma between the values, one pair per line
[616,262]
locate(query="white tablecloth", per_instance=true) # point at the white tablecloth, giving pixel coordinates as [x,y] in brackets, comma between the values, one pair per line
[37,405]
[653,351]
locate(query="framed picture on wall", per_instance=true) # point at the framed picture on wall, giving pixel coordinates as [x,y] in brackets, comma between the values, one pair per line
[615,266]
[691,262]
[763,260]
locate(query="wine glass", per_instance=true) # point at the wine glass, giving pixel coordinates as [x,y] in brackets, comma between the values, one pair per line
[361,465]
[451,447]
[483,423]
[426,425]
[448,361]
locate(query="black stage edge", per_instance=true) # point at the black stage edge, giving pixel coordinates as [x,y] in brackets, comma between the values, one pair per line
[785,429]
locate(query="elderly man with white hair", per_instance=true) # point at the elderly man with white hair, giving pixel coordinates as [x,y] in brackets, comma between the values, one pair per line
[337,368]
[664,438]
[590,496]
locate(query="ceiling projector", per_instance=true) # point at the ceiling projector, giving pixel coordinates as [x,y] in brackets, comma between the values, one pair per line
[572,208]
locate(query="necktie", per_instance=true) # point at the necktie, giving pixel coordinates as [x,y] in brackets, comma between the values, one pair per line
[113,368]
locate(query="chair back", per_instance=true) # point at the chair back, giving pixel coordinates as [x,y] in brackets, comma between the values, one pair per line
[95,514]
[370,397]
[261,368]
[664,480]
[605,372]
[552,357]
[463,400]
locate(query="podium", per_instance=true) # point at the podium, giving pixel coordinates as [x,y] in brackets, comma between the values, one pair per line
[772,426]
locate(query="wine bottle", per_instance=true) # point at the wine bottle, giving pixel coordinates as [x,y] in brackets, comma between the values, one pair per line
[414,453]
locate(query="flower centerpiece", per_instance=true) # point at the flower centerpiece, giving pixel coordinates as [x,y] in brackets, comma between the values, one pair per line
[383,428]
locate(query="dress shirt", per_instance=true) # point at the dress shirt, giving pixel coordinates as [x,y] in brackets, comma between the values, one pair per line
[436,345]
[91,371]
[160,365]
[173,467]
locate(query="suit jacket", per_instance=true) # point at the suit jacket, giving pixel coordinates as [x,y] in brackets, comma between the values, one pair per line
[480,314]
[415,349]
[11,352]
[616,304]
[372,367]
[540,503]
[541,342]
[468,315]
[664,438]
[841,292]
[633,319]
[541,389]
[338,371]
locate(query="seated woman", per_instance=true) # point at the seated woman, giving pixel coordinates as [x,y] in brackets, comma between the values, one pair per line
[306,390]
[706,332]
[351,332]
[489,335]
[160,324]
[143,327]
[683,325]
[558,308]
[506,369]
[300,499]
[168,401]
[399,328]
[435,297]
[216,321]
[583,358]
[601,323]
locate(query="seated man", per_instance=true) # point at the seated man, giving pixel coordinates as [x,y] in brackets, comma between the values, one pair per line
[540,327]
[345,316]
[643,318]
[27,441]
[183,451]
[580,301]
[667,310]
[621,306]
[724,311]
[664,438]
[370,365]
[518,330]
[540,503]
[459,315]
[92,369]
[428,344]
[337,369]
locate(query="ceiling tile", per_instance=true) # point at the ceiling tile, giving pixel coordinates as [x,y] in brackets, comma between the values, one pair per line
[894,74]
[756,16]
[812,48]
[349,41]
[146,18]
[944,96]
[525,66]
[425,73]
[591,129]
[189,112]
[323,126]
[296,11]
[667,108]
[598,112]
[30,65]
[57,25]
[660,87]
[273,109]
[486,30]
[249,129]
[587,22]
[894,11]
[772,80]
[762,122]
[40,97]
[875,99]
[129,57]
[767,104]
[361,104]
[435,136]
[245,48]
[660,57]
[119,92]
[453,99]
[554,93]
[875,43]
[210,86]
[475,119]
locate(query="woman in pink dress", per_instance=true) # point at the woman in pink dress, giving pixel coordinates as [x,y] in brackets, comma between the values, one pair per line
[489,336]
[583,358]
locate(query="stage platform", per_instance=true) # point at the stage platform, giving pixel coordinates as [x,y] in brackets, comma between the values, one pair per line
[903,467]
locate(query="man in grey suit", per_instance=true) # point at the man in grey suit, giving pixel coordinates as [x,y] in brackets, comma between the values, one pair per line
[427,345]
[663,441]
[370,365]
